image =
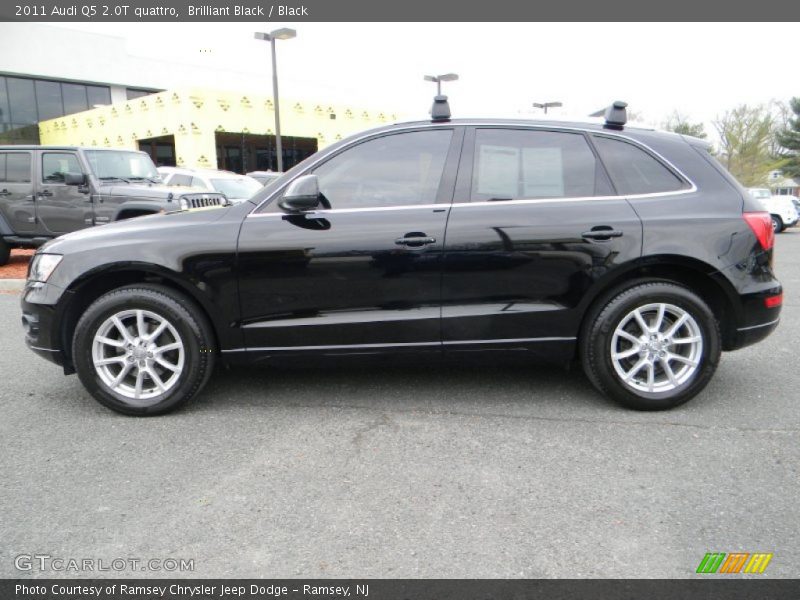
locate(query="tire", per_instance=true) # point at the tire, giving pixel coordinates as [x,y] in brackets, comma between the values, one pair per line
[5,252]
[612,325]
[185,338]
[777,224]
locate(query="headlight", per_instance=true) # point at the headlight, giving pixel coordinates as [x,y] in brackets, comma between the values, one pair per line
[42,266]
[184,203]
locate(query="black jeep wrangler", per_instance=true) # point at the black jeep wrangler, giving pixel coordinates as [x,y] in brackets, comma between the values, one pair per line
[46,191]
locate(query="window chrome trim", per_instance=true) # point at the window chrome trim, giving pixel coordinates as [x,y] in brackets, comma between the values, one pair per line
[521,126]
[403,344]
[497,203]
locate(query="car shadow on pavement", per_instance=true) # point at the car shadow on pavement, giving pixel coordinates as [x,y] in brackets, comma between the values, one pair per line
[412,387]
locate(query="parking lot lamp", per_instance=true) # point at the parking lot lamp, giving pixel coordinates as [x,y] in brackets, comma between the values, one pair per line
[278,34]
[546,105]
[438,79]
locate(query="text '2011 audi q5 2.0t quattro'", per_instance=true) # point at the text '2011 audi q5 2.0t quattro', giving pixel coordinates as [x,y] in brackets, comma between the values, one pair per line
[630,250]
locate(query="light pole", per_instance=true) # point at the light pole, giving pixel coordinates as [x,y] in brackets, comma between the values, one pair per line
[278,34]
[546,105]
[438,79]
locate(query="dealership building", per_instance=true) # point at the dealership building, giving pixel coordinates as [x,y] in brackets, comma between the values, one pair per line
[86,89]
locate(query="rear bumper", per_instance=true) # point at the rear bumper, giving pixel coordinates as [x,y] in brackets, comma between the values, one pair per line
[747,336]
[757,321]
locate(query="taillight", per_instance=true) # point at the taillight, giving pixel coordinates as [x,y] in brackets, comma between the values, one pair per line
[773,301]
[761,224]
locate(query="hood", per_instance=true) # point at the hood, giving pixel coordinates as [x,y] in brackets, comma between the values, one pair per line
[139,229]
[156,191]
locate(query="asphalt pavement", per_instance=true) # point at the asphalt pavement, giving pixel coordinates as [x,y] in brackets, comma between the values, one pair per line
[406,472]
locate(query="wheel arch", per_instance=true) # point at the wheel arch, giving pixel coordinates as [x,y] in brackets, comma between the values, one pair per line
[702,278]
[93,284]
[137,209]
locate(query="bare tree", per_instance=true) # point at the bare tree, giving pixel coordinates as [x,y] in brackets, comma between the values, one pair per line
[746,138]
[679,123]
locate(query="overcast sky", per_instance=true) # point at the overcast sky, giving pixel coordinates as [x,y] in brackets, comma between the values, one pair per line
[699,69]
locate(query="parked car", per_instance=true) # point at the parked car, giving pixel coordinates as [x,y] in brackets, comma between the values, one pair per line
[46,191]
[265,177]
[781,208]
[237,188]
[631,251]
[796,202]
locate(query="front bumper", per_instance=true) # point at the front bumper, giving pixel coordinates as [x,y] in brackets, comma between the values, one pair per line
[39,320]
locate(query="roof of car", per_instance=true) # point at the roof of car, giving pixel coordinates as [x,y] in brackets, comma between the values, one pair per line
[70,148]
[206,172]
[594,124]
[598,125]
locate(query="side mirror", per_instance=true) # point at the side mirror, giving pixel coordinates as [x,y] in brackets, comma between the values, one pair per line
[302,194]
[74,178]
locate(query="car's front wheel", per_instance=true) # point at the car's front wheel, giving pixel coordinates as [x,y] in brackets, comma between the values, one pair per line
[777,224]
[5,252]
[143,350]
[652,346]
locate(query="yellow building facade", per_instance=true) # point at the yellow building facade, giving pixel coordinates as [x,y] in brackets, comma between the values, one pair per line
[197,119]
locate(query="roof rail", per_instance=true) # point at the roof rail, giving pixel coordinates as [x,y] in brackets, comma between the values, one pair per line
[616,115]
[440,111]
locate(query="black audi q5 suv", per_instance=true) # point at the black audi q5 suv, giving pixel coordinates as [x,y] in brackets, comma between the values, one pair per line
[632,251]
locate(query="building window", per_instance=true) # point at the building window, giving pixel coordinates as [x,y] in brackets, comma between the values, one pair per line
[22,101]
[133,93]
[98,95]
[48,100]
[5,116]
[74,98]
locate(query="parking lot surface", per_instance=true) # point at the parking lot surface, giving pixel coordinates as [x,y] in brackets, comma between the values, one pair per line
[407,472]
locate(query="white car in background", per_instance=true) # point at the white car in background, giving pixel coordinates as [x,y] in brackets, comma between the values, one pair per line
[780,208]
[237,188]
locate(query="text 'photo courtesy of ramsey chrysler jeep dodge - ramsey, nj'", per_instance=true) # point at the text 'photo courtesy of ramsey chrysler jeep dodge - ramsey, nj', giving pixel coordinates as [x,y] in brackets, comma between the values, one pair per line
[628,250]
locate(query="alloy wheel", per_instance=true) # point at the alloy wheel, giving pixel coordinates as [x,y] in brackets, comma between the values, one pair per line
[656,348]
[139,355]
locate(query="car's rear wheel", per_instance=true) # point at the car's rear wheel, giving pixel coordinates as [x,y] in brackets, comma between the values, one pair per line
[143,350]
[777,224]
[652,346]
[5,252]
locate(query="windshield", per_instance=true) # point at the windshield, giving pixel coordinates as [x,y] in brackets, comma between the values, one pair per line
[112,164]
[759,193]
[240,189]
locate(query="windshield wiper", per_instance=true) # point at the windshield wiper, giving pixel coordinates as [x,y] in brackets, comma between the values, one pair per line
[150,179]
[113,177]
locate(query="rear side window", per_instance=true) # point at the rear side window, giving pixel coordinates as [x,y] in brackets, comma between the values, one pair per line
[15,167]
[516,163]
[196,182]
[634,171]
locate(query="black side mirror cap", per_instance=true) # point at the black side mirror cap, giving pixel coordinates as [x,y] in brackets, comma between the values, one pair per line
[74,178]
[302,194]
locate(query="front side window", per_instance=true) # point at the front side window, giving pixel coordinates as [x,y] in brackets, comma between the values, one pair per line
[633,170]
[56,164]
[394,170]
[516,163]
